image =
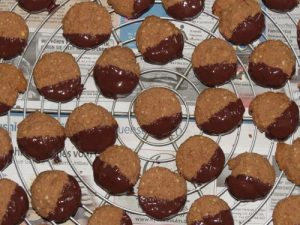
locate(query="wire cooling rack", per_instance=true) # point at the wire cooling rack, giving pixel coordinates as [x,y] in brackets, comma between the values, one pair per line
[143,140]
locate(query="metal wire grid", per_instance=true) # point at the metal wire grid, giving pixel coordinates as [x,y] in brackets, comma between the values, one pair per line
[183,77]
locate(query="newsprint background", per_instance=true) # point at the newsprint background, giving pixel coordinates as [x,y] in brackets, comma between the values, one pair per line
[46,33]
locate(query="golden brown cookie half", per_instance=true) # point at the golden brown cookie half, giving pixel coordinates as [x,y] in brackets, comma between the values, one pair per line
[286,212]
[6,149]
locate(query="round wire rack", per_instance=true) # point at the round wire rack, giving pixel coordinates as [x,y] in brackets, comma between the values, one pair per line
[143,143]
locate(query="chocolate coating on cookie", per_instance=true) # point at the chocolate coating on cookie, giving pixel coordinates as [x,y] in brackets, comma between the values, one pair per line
[275,114]
[159,40]
[252,177]
[13,35]
[91,128]
[117,169]
[183,9]
[287,211]
[14,203]
[116,72]
[281,6]
[267,68]
[164,197]
[218,111]
[35,6]
[6,149]
[214,62]
[298,33]
[199,159]
[209,210]
[87,25]
[158,112]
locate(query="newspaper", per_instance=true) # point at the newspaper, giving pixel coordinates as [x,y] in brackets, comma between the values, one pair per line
[49,38]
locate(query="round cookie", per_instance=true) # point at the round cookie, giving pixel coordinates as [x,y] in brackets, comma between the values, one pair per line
[111,215]
[36,6]
[57,77]
[87,25]
[286,212]
[6,149]
[252,177]
[12,82]
[287,157]
[56,195]
[275,114]
[91,128]
[161,192]
[209,209]
[241,22]
[159,41]
[267,68]
[199,159]
[40,137]
[14,34]
[117,169]
[281,6]
[116,72]
[14,203]
[183,9]
[158,112]
[214,62]
[131,9]
[218,111]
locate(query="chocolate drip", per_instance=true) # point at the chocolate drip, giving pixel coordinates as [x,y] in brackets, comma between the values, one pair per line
[281,6]
[63,91]
[224,217]
[95,140]
[166,50]
[115,82]
[11,47]
[267,76]
[86,41]
[141,6]
[110,178]
[186,9]
[4,108]
[126,220]
[247,188]
[225,120]
[69,202]
[35,6]
[163,127]
[41,148]
[17,208]
[284,125]
[216,74]
[6,160]
[212,169]
[249,30]
[161,209]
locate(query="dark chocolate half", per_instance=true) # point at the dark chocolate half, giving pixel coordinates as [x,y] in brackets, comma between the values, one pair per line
[6,160]
[186,9]
[35,6]
[267,76]
[11,47]
[225,120]
[248,30]
[140,7]
[17,208]
[126,220]
[281,6]
[284,125]
[95,140]
[216,74]
[165,51]
[63,91]
[161,209]
[4,108]
[110,178]
[69,202]
[247,188]
[41,148]
[163,127]
[86,41]
[115,82]
[224,217]
[212,169]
